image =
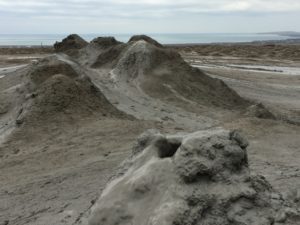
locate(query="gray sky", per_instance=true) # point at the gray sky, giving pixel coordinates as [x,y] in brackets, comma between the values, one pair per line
[148,16]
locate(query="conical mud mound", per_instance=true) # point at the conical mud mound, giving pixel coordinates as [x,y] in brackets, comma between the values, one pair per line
[110,56]
[150,40]
[70,44]
[162,73]
[105,42]
[159,72]
[47,67]
[200,178]
[56,91]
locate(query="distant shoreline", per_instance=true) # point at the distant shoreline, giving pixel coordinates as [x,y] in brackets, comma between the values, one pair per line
[291,34]
[266,42]
[166,39]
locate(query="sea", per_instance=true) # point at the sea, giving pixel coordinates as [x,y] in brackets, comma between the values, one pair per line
[199,38]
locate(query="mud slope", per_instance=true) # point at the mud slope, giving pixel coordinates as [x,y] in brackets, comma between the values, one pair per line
[199,178]
[106,51]
[70,45]
[162,73]
[58,91]
[159,72]
[57,132]
[50,91]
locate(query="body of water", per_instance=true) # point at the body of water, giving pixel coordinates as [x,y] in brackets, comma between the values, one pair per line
[50,39]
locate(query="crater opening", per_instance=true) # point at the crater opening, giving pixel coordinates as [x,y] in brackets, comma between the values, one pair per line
[167,148]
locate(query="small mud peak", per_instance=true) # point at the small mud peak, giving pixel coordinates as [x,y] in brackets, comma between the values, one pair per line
[159,72]
[58,91]
[57,94]
[110,56]
[260,111]
[105,42]
[141,57]
[162,73]
[49,66]
[72,42]
[202,178]
[146,38]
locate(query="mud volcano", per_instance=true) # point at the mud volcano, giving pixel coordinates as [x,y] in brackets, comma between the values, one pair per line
[159,72]
[199,178]
[56,90]
[70,44]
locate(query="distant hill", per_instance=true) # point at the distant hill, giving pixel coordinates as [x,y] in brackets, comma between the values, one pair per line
[285,33]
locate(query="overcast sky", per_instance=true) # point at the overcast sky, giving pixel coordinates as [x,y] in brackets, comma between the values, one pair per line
[148,16]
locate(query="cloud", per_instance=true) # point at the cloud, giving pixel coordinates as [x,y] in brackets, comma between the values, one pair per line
[156,16]
[141,8]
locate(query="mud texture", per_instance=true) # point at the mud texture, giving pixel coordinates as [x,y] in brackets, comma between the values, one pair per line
[198,178]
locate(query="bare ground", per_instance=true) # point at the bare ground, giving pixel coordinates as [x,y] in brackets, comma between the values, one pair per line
[52,177]
[274,145]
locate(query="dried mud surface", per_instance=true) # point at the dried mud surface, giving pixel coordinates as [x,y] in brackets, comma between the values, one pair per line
[54,170]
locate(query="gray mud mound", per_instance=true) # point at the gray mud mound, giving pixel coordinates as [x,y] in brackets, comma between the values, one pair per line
[101,52]
[141,58]
[70,44]
[145,38]
[56,91]
[158,72]
[200,178]
[105,41]
[163,74]
[110,56]
[48,67]
[259,111]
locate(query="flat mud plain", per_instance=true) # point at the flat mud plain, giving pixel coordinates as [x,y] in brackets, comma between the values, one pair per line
[52,174]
